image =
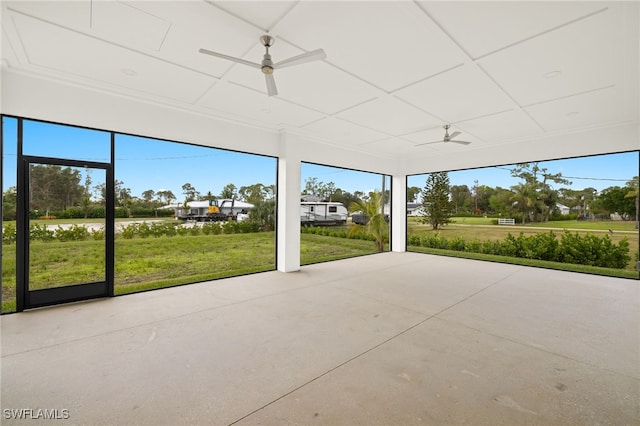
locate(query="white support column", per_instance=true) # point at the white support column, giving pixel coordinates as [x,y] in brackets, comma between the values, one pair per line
[399,213]
[288,214]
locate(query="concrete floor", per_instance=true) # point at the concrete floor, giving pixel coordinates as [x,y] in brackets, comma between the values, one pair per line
[394,338]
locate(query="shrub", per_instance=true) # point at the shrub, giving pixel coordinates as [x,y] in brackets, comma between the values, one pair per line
[97,234]
[590,249]
[74,233]
[212,228]
[129,231]
[40,232]
[8,234]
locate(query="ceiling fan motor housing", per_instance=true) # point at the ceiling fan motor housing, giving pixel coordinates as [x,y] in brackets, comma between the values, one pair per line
[267,64]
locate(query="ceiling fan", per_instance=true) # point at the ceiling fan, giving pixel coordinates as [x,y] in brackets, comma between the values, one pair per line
[447,137]
[267,66]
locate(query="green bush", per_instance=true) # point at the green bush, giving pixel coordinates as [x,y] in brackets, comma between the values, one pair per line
[8,234]
[97,234]
[588,250]
[211,228]
[40,232]
[74,233]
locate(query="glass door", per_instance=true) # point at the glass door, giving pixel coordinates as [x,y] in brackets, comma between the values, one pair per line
[66,231]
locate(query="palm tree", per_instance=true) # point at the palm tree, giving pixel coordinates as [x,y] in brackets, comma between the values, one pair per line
[376,226]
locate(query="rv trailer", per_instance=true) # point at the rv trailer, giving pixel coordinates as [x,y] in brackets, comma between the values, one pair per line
[322,213]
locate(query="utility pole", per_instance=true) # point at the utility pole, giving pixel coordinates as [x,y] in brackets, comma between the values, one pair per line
[475,193]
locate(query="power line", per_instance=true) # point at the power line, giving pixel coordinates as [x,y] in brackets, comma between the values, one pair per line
[576,177]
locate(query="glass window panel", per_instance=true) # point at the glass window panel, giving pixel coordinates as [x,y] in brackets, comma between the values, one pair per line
[576,214]
[60,141]
[336,203]
[9,198]
[188,213]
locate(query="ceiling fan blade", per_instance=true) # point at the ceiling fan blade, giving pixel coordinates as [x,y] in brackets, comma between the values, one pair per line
[428,143]
[271,85]
[454,134]
[461,142]
[314,55]
[231,58]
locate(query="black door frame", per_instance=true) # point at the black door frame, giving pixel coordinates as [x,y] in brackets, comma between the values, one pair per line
[25,298]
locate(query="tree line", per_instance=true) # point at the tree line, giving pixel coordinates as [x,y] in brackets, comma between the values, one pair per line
[55,189]
[533,199]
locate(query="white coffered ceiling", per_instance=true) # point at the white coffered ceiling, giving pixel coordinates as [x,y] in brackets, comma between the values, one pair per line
[502,73]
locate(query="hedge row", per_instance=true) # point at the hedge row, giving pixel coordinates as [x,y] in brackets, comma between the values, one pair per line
[96,212]
[39,232]
[353,233]
[571,248]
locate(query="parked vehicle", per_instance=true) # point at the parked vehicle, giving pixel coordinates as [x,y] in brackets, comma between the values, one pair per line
[213,210]
[322,213]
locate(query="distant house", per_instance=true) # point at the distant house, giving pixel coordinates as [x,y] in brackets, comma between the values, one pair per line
[414,209]
[564,210]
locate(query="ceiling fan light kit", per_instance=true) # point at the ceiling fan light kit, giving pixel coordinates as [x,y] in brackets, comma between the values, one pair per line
[267,66]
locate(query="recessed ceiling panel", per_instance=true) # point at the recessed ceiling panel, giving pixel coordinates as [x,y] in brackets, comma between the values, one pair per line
[55,48]
[484,27]
[263,14]
[196,25]
[72,14]
[498,128]
[118,21]
[9,55]
[389,44]
[339,131]
[462,93]
[249,105]
[574,59]
[391,147]
[586,110]
[390,115]
[316,85]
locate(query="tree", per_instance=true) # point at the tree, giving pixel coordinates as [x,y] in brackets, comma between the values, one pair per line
[435,200]
[148,195]
[257,192]
[461,198]
[54,187]
[524,200]
[229,191]
[536,196]
[189,192]
[376,226]
[9,203]
[614,200]
[633,192]
[500,201]
[412,194]
[325,191]
[263,214]
[166,196]
[344,197]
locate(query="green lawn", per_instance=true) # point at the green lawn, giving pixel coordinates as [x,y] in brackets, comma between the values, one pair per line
[146,263]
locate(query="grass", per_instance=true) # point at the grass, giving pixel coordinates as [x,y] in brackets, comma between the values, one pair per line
[143,264]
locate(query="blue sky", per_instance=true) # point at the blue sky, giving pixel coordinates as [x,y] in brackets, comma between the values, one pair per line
[599,172]
[144,163]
